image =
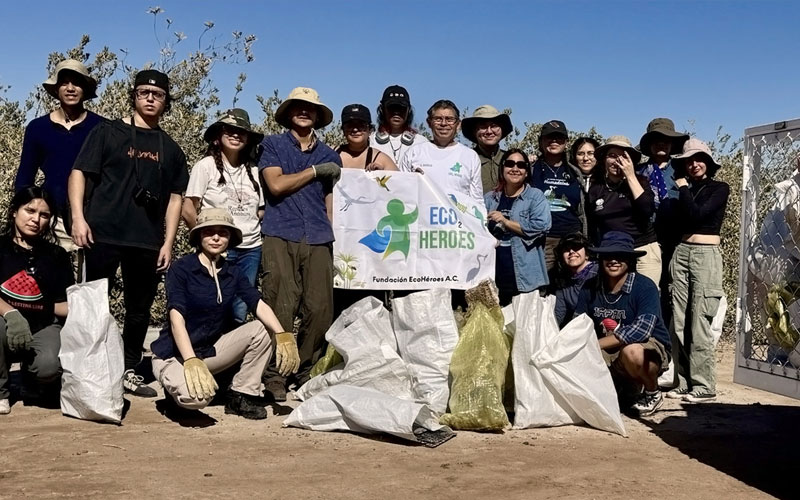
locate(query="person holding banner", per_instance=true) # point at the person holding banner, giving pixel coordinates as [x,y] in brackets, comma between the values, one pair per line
[34,276]
[356,152]
[203,338]
[519,217]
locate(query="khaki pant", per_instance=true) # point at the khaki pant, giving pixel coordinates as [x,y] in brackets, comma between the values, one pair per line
[650,264]
[696,291]
[250,344]
[64,239]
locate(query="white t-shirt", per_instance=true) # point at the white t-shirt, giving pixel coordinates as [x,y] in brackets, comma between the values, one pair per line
[395,149]
[237,195]
[454,169]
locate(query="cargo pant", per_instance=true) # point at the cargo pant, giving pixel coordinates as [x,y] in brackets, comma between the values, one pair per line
[696,291]
[40,360]
[650,264]
[298,281]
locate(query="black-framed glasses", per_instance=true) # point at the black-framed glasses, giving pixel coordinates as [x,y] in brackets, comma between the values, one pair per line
[519,164]
[444,119]
[158,95]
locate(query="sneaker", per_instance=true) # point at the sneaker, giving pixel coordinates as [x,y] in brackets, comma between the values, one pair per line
[648,403]
[277,389]
[135,385]
[242,405]
[699,397]
[5,407]
[678,393]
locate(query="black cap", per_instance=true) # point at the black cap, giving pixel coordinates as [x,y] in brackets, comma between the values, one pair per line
[356,112]
[554,127]
[396,94]
[152,77]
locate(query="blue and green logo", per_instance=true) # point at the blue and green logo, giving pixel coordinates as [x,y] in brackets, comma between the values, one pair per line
[392,233]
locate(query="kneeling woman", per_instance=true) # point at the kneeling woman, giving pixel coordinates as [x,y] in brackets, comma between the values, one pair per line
[519,217]
[201,337]
[34,276]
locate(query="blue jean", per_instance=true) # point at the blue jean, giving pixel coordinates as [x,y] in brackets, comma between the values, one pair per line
[247,261]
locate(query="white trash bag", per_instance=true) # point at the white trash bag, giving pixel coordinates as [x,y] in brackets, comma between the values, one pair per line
[560,377]
[426,333]
[91,356]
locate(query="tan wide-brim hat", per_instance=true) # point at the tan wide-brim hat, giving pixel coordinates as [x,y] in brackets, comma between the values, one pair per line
[618,141]
[695,147]
[215,217]
[485,112]
[324,113]
[661,127]
[89,86]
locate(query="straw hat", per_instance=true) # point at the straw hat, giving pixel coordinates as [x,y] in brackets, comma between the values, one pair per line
[235,117]
[324,113]
[694,147]
[89,84]
[618,141]
[215,217]
[485,112]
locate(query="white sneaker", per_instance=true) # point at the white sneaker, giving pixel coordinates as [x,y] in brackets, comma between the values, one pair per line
[5,407]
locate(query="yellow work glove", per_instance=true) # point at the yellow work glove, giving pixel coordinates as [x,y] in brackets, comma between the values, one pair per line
[199,381]
[287,359]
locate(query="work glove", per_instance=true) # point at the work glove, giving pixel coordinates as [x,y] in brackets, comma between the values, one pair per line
[199,381]
[18,331]
[287,359]
[327,170]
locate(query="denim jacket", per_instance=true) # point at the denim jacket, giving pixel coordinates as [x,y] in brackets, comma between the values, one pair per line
[532,212]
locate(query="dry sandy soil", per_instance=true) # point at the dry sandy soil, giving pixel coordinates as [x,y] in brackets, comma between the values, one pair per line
[745,445]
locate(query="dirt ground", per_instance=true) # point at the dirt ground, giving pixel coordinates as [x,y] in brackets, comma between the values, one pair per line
[742,446]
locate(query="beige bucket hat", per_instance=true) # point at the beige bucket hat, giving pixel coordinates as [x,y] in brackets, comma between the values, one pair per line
[693,147]
[90,84]
[215,217]
[485,112]
[324,113]
[618,141]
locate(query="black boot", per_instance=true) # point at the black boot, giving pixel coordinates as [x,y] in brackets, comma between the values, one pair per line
[244,406]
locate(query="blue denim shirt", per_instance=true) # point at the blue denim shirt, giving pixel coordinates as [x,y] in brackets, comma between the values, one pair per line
[301,215]
[532,211]
[192,292]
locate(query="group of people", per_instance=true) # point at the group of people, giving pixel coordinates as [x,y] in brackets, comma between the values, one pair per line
[595,226]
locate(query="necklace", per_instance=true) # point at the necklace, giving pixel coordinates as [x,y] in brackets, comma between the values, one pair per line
[552,171]
[240,192]
[395,152]
[605,298]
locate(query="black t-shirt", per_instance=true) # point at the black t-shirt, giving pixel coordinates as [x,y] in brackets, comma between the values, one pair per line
[505,277]
[612,208]
[32,281]
[563,191]
[115,213]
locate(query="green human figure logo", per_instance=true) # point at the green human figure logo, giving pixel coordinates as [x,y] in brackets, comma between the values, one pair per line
[456,168]
[392,233]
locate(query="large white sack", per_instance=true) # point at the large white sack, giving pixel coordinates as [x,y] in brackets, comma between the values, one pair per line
[363,336]
[362,410]
[572,366]
[427,334]
[535,403]
[91,356]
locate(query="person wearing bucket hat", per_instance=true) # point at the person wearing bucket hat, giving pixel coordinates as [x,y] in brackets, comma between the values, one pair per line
[299,172]
[620,200]
[696,269]
[395,133]
[52,142]
[202,336]
[486,128]
[356,151]
[560,181]
[226,178]
[626,313]
[125,195]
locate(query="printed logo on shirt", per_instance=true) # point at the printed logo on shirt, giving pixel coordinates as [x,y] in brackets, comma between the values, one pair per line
[557,204]
[556,181]
[604,312]
[598,205]
[456,168]
[147,155]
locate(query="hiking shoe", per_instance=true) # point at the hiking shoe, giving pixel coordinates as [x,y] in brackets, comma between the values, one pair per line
[678,393]
[648,403]
[699,397]
[5,407]
[242,405]
[277,389]
[135,385]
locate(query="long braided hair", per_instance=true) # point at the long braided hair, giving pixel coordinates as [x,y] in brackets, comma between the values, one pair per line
[248,154]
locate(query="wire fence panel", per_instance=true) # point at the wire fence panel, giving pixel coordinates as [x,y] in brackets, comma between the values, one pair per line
[768,309]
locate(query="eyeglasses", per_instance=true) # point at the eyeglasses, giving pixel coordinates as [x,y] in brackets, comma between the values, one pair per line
[519,164]
[158,95]
[444,119]
[585,153]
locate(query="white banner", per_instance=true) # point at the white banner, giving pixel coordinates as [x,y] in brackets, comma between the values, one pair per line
[396,231]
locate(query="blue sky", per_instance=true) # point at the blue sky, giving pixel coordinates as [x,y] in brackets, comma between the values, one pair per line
[614,65]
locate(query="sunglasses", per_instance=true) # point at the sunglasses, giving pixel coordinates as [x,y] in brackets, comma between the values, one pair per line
[519,164]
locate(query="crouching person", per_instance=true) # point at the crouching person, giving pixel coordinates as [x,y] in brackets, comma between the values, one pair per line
[201,337]
[625,308]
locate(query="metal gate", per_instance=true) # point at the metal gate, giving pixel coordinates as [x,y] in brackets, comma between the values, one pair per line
[767,307]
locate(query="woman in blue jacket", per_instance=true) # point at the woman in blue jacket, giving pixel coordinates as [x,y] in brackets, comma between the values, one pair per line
[519,217]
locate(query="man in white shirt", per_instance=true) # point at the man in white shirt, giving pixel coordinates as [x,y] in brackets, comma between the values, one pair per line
[453,167]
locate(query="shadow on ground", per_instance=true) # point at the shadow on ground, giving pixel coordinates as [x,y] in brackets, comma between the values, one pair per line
[756,444]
